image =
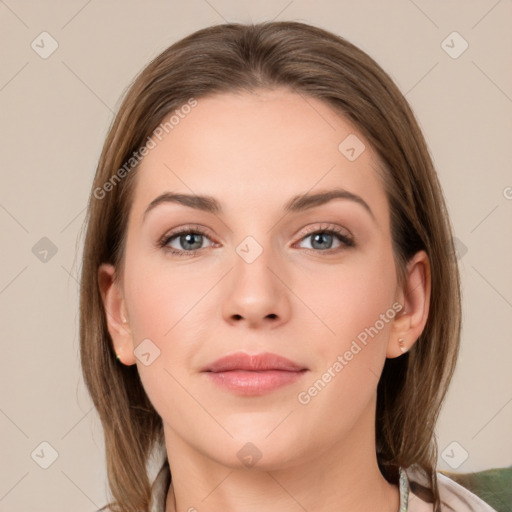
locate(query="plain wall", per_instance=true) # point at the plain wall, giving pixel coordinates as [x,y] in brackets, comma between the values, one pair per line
[55,115]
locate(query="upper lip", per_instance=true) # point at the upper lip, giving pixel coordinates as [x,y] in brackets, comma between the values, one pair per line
[257,362]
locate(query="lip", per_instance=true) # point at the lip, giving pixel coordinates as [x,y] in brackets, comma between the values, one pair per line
[246,374]
[257,362]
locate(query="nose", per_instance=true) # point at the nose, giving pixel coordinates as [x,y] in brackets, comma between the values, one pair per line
[256,293]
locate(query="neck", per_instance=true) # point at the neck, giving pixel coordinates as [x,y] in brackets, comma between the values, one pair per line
[341,476]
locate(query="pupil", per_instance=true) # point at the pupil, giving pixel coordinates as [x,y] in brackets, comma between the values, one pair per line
[320,237]
[189,238]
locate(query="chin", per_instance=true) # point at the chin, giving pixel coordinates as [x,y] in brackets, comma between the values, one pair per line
[256,449]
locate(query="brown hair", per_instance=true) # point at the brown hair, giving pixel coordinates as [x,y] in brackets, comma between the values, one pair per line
[316,63]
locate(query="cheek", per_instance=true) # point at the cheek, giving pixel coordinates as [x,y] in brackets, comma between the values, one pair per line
[162,297]
[348,298]
[166,306]
[349,363]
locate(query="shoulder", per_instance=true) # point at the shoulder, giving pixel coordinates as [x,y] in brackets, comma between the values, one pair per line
[454,497]
[460,498]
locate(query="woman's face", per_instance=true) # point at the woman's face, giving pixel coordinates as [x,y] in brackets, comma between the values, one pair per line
[258,280]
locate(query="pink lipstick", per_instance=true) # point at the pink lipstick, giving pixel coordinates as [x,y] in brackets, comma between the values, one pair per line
[251,375]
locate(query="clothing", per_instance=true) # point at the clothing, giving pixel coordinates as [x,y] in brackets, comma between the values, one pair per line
[454,497]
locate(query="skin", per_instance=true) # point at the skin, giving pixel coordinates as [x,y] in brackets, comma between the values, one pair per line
[252,152]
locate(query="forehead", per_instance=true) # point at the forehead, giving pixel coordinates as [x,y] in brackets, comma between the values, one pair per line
[254,149]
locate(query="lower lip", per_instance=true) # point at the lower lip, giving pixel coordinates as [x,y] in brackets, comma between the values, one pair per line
[252,383]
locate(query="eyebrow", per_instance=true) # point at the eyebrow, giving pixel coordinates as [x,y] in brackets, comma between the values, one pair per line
[297,203]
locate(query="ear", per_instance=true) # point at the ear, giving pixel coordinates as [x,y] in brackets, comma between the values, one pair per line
[414,295]
[116,314]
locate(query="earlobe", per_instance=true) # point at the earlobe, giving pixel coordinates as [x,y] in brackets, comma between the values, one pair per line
[409,323]
[115,314]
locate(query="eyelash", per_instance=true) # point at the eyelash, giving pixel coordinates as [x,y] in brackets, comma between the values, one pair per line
[329,229]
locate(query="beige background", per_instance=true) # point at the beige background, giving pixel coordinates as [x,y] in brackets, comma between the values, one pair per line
[55,115]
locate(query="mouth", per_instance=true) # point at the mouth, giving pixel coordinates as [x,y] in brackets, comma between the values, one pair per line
[250,375]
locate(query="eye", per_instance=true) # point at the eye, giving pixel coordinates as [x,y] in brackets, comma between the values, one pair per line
[190,239]
[322,239]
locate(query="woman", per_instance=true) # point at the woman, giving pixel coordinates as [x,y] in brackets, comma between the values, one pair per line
[270,300]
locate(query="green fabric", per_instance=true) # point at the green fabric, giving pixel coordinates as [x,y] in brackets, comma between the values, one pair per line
[494,486]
